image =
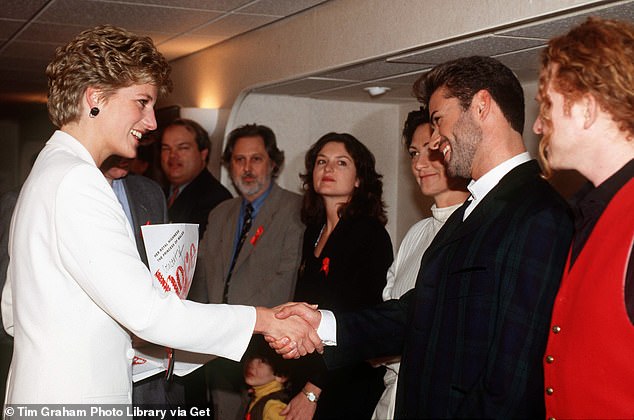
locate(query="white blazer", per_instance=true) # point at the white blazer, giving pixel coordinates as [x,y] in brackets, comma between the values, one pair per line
[76,286]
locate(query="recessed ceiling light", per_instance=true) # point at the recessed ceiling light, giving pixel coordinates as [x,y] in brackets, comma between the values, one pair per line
[377,90]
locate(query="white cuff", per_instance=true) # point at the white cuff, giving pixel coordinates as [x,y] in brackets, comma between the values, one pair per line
[327,329]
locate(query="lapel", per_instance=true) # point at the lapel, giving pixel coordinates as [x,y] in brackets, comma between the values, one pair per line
[182,206]
[263,219]
[228,233]
[508,189]
[136,207]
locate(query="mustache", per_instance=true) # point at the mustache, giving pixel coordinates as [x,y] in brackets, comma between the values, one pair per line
[247,175]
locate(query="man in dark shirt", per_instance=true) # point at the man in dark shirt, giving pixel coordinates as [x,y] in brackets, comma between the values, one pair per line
[588,205]
[586,95]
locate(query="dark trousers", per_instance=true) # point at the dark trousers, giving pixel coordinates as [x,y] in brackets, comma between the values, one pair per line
[179,392]
[6,353]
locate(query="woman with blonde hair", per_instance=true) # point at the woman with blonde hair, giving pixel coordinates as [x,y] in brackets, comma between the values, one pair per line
[76,287]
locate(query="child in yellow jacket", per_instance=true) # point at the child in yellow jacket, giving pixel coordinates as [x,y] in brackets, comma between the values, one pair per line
[267,375]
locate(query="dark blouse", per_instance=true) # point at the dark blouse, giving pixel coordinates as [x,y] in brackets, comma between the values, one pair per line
[349,275]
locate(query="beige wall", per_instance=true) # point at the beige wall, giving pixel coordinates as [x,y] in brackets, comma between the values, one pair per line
[299,122]
[334,34]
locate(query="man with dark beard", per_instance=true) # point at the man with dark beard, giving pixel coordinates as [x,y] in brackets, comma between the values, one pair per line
[252,253]
[473,331]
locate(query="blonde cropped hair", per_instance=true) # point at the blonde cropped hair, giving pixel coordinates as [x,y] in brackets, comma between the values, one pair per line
[594,58]
[107,58]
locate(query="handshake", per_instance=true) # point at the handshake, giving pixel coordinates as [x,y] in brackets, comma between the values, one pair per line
[290,329]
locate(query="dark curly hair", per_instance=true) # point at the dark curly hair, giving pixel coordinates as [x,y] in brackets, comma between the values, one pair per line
[414,120]
[464,77]
[367,198]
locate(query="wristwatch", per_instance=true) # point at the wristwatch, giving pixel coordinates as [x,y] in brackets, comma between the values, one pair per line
[310,395]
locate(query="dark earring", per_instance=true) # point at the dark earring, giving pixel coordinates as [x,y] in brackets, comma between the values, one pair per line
[94,111]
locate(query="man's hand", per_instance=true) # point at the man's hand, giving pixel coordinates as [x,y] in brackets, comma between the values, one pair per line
[292,334]
[302,309]
[309,313]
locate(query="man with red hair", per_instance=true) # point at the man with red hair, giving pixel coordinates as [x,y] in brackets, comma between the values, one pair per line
[586,96]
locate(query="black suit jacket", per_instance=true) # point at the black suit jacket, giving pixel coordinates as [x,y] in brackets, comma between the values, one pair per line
[473,331]
[348,275]
[194,203]
[147,206]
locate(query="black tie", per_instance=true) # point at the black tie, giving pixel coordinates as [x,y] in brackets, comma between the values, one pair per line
[246,226]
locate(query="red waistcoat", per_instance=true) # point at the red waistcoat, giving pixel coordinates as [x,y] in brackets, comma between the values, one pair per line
[589,360]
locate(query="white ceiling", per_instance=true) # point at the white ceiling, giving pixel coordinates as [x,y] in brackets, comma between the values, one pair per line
[517,45]
[30,30]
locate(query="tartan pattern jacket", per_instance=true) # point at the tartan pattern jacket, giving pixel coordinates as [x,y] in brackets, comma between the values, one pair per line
[473,331]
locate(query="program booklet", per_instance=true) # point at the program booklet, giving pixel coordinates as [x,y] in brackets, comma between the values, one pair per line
[171,251]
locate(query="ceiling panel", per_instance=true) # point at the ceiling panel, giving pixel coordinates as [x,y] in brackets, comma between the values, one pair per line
[303,86]
[560,25]
[487,45]
[525,63]
[372,70]
[30,30]
[28,49]
[280,7]
[214,5]
[9,27]
[50,33]
[21,9]
[518,48]
[130,16]
[234,24]
[406,79]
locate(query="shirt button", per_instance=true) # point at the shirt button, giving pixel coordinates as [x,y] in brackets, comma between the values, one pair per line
[130,354]
[550,391]
[556,329]
[550,359]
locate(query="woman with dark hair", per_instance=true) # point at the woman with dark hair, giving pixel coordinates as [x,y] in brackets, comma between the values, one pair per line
[346,254]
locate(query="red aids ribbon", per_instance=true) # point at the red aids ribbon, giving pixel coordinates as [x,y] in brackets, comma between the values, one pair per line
[258,233]
[325,265]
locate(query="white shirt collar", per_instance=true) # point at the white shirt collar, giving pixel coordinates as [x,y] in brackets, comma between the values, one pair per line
[480,188]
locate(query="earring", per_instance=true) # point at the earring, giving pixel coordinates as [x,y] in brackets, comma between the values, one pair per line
[94,111]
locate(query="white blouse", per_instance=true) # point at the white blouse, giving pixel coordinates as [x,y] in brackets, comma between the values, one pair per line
[401,277]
